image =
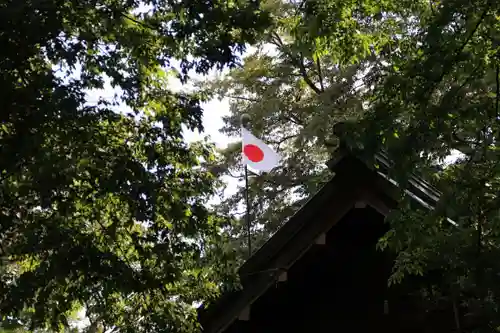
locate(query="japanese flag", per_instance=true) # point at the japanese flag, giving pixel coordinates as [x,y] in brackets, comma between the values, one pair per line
[256,154]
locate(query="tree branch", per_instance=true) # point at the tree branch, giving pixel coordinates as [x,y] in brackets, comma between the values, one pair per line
[320,76]
[243,98]
[431,5]
[232,175]
[497,93]
[293,119]
[298,61]
[456,315]
[447,68]
[279,142]
[471,144]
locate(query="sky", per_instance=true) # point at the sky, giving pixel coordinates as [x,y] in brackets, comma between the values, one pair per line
[213,111]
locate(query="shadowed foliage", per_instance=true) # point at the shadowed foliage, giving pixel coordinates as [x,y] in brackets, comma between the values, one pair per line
[102,206]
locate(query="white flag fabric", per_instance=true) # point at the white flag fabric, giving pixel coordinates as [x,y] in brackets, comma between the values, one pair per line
[256,154]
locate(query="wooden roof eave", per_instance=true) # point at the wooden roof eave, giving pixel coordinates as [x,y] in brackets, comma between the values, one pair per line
[339,184]
[289,243]
[295,237]
[418,189]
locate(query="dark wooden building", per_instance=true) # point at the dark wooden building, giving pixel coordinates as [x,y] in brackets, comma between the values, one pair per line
[321,272]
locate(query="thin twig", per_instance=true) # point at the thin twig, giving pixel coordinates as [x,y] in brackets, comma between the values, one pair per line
[297,60]
[320,75]
[243,98]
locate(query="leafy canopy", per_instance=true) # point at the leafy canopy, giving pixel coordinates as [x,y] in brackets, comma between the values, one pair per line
[101,209]
[428,77]
[315,66]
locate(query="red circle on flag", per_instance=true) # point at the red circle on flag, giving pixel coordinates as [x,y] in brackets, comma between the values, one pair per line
[253,153]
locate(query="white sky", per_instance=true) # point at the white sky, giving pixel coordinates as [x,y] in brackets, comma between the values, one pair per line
[213,111]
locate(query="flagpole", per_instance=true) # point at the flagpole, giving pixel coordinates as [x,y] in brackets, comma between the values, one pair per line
[244,120]
[249,225]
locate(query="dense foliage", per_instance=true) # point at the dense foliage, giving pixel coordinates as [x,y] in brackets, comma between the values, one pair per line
[315,67]
[419,79]
[443,94]
[101,209]
[105,211]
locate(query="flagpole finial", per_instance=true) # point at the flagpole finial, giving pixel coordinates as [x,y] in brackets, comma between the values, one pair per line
[245,119]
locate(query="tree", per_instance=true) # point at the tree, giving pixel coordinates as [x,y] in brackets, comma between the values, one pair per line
[101,209]
[441,95]
[313,68]
[432,87]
